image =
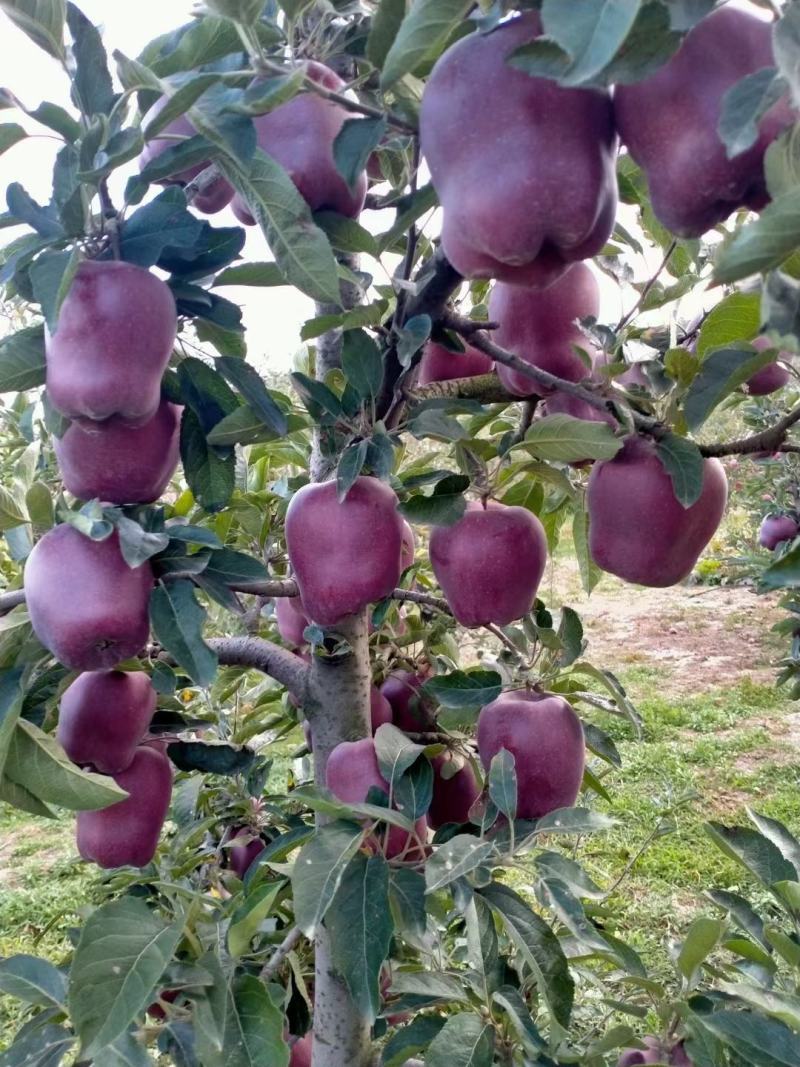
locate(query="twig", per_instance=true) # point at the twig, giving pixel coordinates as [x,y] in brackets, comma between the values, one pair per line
[648,286]
[273,964]
[110,217]
[412,596]
[525,420]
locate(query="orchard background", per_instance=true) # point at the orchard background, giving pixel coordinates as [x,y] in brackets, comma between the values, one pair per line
[369,777]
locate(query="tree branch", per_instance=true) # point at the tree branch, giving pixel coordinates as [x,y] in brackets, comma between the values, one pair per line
[11,600]
[438,603]
[485,387]
[273,964]
[770,440]
[257,654]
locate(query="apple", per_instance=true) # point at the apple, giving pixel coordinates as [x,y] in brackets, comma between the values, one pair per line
[241,856]
[454,796]
[770,378]
[545,737]
[103,716]
[669,124]
[112,345]
[300,1055]
[291,620]
[118,463]
[86,605]
[440,364]
[345,554]
[775,529]
[126,833]
[489,563]
[638,529]
[525,170]
[410,711]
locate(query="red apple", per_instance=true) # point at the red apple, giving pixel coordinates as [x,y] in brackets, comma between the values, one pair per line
[410,710]
[241,856]
[440,364]
[775,529]
[301,1051]
[103,716]
[545,736]
[770,378]
[489,563]
[291,620]
[638,529]
[344,555]
[454,796]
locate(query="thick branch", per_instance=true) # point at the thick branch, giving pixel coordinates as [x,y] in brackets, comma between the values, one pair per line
[258,654]
[11,600]
[770,440]
[484,387]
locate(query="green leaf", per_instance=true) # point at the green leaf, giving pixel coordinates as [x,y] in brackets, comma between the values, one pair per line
[465,689]
[414,207]
[407,899]
[11,697]
[37,762]
[41,20]
[235,568]
[43,220]
[51,277]
[503,784]
[205,391]
[736,318]
[556,866]
[383,29]
[351,463]
[763,243]
[756,1040]
[19,797]
[700,940]
[210,757]
[22,360]
[302,251]
[250,914]
[784,573]
[753,851]
[11,133]
[574,821]
[465,1040]
[136,543]
[123,952]
[779,835]
[319,869]
[413,1038]
[685,465]
[260,274]
[722,371]
[435,985]
[413,793]
[743,107]
[360,927]
[354,144]
[513,1004]
[590,34]
[177,620]
[569,911]
[178,103]
[33,981]
[362,363]
[395,751]
[423,32]
[164,222]
[43,1047]
[237,1023]
[785,43]
[589,571]
[210,477]
[456,858]
[91,82]
[538,946]
[251,386]
[443,507]
[54,117]
[570,440]
[244,427]
[11,512]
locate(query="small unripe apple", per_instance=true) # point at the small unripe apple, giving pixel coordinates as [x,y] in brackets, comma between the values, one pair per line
[489,563]
[86,605]
[344,555]
[351,772]
[541,327]
[410,711]
[240,856]
[440,364]
[545,737]
[112,344]
[103,716]
[454,796]
[127,833]
[291,620]
[638,529]
[118,463]
[770,378]
[775,529]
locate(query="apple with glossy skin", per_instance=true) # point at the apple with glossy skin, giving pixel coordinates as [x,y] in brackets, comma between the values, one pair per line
[240,856]
[540,326]
[300,1055]
[86,605]
[291,620]
[344,555]
[127,833]
[530,187]
[440,364]
[776,529]
[103,716]
[351,772]
[454,796]
[489,563]
[638,529]
[410,710]
[669,124]
[112,345]
[545,736]
[770,378]
[299,135]
[118,463]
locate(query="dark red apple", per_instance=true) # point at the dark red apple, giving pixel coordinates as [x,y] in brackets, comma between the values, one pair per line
[524,169]
[440,364]
[103,716]
[545,737]
[344,555]
[453,796]
[127,833]
[291,620]
[410,710]
[240,856]
[351,772]
[540,326]
[669,123]
[86,605]
[118,463]
[770,378]
[775,529]
[299,135]
[638,529]
[114,339]
[489,563]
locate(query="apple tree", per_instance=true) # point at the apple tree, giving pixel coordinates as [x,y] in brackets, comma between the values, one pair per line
[199,562]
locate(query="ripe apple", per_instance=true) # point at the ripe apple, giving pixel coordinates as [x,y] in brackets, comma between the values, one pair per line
[454,796]
[241,856]
[127,833]
[440,364]
[669,123]
[86,605]
[775,529]
[540,326]
[344,555]
[114,339]
[524,169]
[103,716]
[770,378]
[489,563]
[638,529]
[118,463]
[545,737]
[301,1051]
[410,711]
[351,772]
[291,620]
[299,135]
